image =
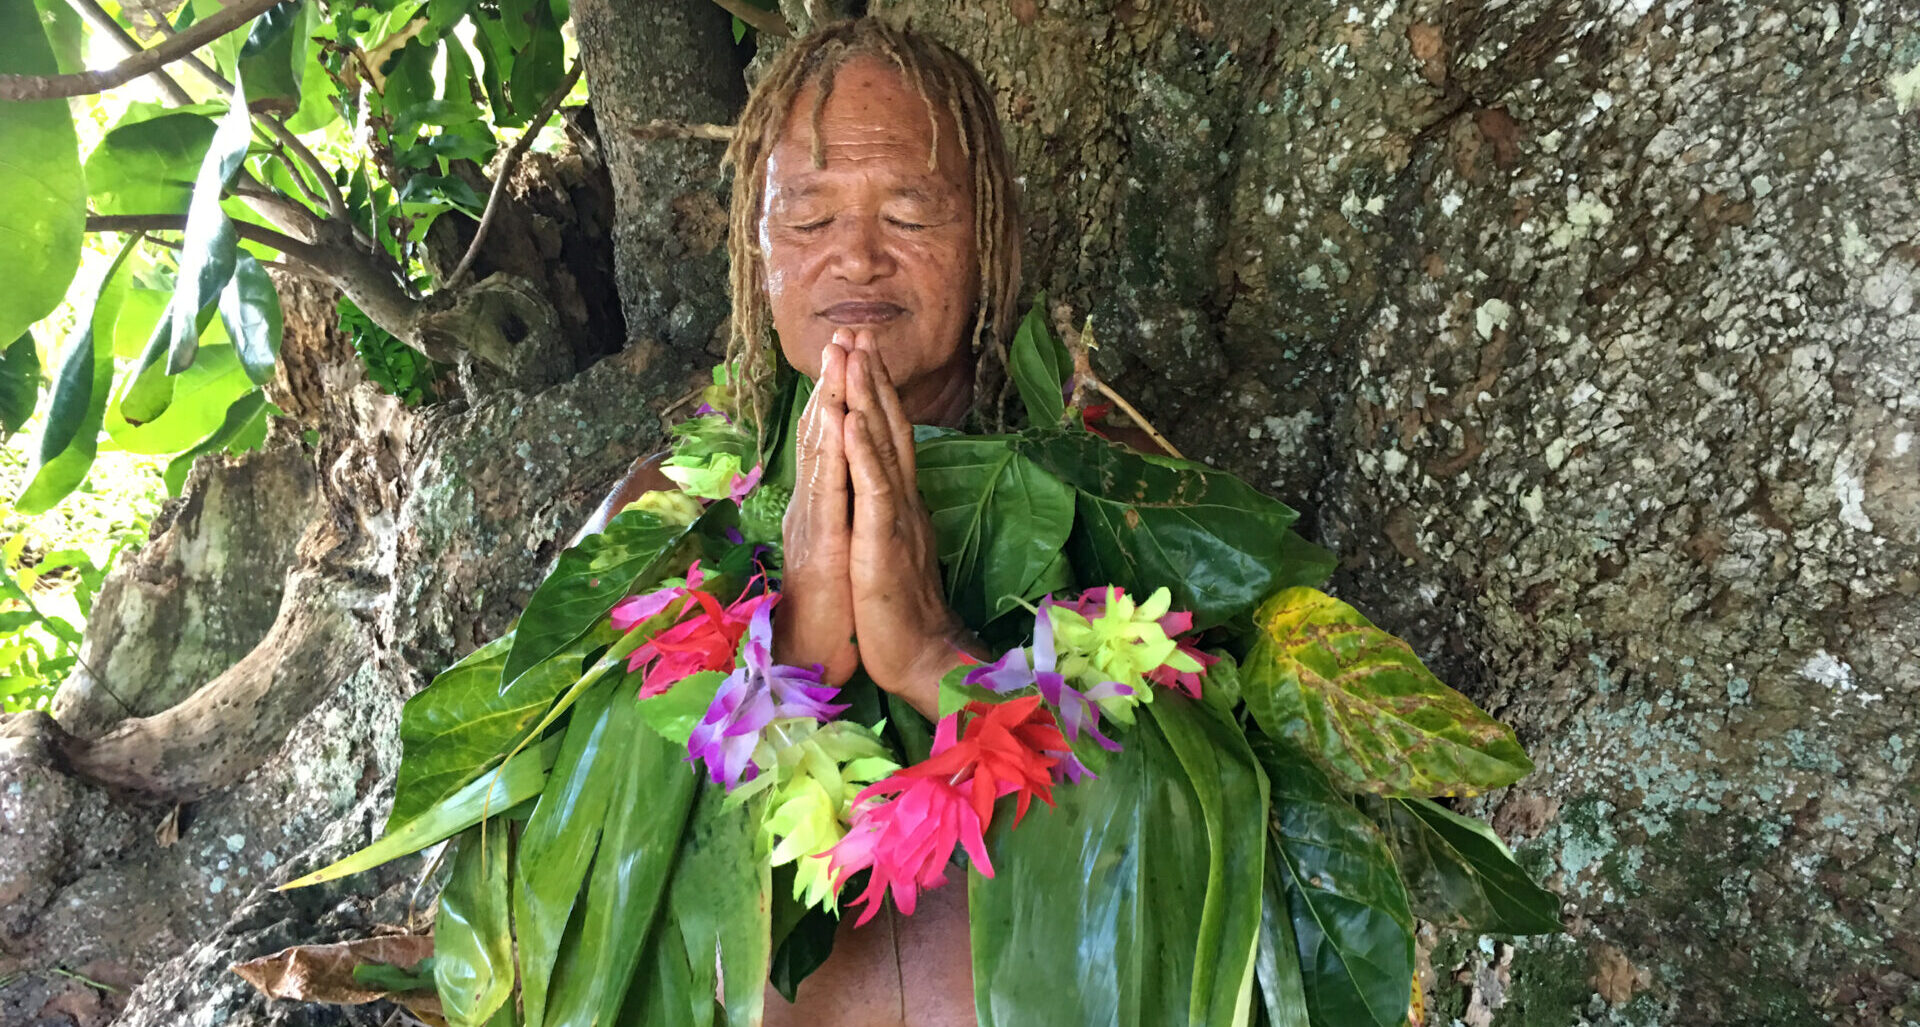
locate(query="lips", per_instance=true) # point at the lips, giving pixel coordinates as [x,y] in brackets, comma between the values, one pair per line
[863,312]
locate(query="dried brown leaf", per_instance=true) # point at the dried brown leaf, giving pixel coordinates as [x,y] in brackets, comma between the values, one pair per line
[324,973]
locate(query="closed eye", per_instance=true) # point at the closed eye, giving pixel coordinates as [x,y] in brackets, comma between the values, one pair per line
[909,226]
[812,226]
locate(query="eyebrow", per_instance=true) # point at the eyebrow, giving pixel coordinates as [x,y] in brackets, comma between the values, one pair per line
[810,188]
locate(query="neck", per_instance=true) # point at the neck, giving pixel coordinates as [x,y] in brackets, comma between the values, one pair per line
[940,399]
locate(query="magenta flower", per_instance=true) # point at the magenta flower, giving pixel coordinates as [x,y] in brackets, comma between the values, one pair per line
[906,840]
[758,692]
[744,483]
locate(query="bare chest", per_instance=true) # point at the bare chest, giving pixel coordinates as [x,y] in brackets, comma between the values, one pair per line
[897,971]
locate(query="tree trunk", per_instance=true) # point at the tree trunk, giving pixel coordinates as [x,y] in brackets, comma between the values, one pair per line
[1583,332]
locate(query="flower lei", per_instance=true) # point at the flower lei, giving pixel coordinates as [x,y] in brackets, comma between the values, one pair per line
[838,802]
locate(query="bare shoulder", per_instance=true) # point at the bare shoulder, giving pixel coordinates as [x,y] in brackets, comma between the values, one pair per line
[642,477]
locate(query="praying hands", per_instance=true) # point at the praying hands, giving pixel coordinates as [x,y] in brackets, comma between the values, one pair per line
[862,585]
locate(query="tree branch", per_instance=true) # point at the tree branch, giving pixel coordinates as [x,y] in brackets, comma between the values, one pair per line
[93,12]
[768,22]
[200,33]
[520,147]
[661,129]
[317,256]
[336,204]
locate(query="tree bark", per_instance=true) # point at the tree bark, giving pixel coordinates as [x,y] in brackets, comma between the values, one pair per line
[1583,332]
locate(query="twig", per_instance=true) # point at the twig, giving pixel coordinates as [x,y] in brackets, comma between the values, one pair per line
[661,129]
[758,20]
[336,204]
[520,147]
[93,12]
[261,234]
[200,33]
[1080,346]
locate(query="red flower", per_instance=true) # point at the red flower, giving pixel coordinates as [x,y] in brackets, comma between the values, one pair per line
[707,640]
[947,800]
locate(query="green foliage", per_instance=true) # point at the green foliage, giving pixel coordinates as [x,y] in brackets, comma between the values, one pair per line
[40,176]
[148,162]
[1460,874]
[19,383]
[208,254]
[1040,368]
[472,958]
[398,369]
[1001,521]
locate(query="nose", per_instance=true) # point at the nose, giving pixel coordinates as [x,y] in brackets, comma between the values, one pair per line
[860,252]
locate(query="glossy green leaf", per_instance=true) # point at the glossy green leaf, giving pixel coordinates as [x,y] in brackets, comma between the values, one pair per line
[207,254]
[226,49]
[802,935]
[558,844]
[66,33]
[317,95]
[1352,924]
[70,437]
[140,311]
[673,713]
[45,208]
[147,389]
[19,383]
[1283,996]
[243,427]
[519,779]
[1359,703]
[1150,521]
[250,308]
[472,944]
[539,65]
[1232,791]
[722,900]
[148,162]
[1001,521]
[462,723]
[636,550]
[441,190]
[1460,874]
[1094,914]
[1040,368]
[274,57]
[662,988]
[197,405]
[647,814]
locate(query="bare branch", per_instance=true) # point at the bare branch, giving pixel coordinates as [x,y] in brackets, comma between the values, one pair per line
[658,129]
[336,204]
[200,33]
[317,256]
[93,12]
[768,22]
[500,177]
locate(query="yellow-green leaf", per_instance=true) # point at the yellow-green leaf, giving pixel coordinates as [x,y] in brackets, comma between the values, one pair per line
[1361,705]
[45,208]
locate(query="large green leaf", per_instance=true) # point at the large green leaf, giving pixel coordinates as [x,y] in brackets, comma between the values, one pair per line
[273,60]
[461,724]
[1460,874]
[1094,913]
[250,308]
[71,435]
[557,846]
[1351,921]
[197,405]
[662,988]
[147,163]
[243,428]
[1360,704]
[1039,368]
[19,383]
[1233,800]
[539,65]
[1001,521]
[519,779]
[636,550]
[140,312]
[67,34]
[647,814]
[472,945]
[1151,521]
[207,254]
[45,196]
[722,901]
[1283,995]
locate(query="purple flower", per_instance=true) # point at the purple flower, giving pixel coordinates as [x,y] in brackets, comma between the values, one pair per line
[1012,672]
[758,692]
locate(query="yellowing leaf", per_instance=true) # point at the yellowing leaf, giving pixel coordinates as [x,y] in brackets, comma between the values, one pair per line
[1358,702]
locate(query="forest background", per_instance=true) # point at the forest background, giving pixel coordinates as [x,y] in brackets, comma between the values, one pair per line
[1584,332]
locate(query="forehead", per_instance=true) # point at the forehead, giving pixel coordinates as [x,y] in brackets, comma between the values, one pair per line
[874,124]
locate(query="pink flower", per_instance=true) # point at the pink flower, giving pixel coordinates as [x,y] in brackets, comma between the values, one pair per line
[706,640]
[744,483]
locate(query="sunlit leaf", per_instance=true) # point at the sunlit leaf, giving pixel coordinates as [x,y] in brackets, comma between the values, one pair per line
[70,437]
[274,58]
[1360,704]
[1352,925]
[242,428]
[45,196]
[148,162]
[200,398]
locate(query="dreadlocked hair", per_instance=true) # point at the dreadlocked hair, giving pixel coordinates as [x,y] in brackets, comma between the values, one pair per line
[948,84]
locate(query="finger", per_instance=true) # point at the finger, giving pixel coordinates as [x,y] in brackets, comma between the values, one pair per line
[874,486]
[897,424]
[827,477]
[863,397]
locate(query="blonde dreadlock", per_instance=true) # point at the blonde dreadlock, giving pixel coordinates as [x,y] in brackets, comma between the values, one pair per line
[948,83]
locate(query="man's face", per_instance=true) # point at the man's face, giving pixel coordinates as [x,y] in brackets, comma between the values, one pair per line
[873,240]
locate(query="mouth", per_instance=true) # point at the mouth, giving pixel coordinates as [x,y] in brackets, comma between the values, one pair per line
[863,313]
